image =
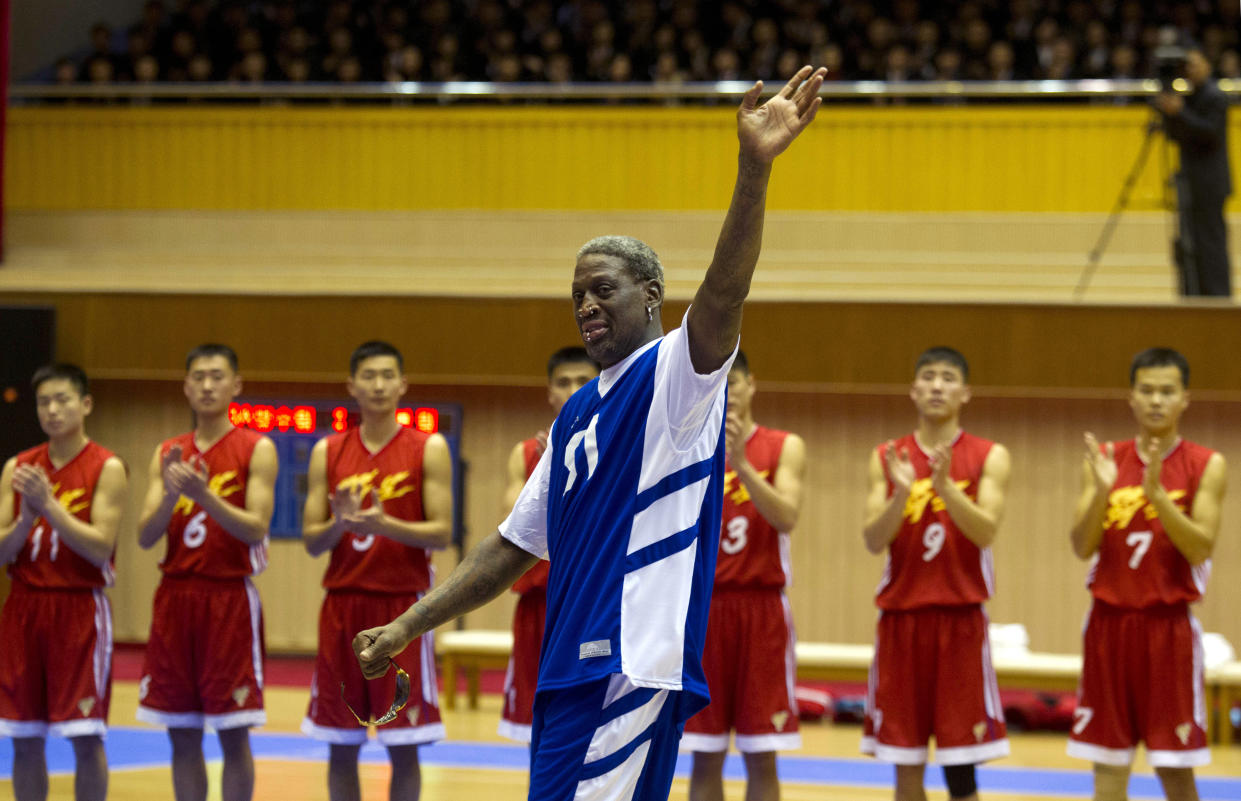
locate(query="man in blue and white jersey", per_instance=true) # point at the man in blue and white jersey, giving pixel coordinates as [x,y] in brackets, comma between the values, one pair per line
[625,502]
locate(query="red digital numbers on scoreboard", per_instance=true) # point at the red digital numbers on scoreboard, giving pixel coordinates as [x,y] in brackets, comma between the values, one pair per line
[424,419]
[301,419]
[304,419]
[427,420]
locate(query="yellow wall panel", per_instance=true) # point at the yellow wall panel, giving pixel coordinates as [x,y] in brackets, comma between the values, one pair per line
[868,159]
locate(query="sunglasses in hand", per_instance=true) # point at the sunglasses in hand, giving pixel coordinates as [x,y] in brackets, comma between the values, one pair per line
[398,703]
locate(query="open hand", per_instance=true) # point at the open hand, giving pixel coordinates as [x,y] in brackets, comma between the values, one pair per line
[171,456]
[1152,455]
[1102,463]
[900,469]
[941,467]
[766,131]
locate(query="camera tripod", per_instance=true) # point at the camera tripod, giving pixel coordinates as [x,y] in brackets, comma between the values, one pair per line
[1153,127]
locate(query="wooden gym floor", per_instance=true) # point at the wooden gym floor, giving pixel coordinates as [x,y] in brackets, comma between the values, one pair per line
[476,763]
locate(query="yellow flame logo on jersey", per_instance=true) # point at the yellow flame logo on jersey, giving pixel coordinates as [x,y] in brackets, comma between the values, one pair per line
[85,706]
[779,720]
[389,486]
[216,485]
[72,499]
[1124,503]
[1182,733]
[739,494]
[922,495]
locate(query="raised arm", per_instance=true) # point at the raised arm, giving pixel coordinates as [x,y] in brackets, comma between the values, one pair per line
[1192,533]
[778,501]
[1098,476]
[321,529]
[883,512]
[764,132]
[160,499]
[978,519]
[486,571]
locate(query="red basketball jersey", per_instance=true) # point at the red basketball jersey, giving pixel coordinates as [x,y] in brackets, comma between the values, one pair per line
[536,577]
[378,564]
[44,561]
[931,563]
[753,554]
[196,544]
[1137,565]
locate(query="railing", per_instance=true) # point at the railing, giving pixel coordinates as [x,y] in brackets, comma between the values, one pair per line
[482,91]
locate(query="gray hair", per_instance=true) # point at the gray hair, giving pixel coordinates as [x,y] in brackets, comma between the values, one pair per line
[636,254]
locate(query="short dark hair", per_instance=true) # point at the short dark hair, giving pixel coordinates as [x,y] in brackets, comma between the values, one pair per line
[946,355]
[573,354]
[208,349]
[741,363]
[1159,357]
[70,372]
[372,348]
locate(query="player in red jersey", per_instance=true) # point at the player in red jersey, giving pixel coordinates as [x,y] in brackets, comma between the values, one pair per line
[748,657]
[60,505]
[379,497]
[568,370]
[1147,519]
[935,503]
[211,491]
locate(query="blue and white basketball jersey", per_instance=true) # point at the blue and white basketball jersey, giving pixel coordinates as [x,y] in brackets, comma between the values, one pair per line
[626,503]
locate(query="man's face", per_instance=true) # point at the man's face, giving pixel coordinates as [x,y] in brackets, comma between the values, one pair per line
[566,379]
[610,305]
[211,384]
[378,384]
[1197,68]
[60,408]
[939,391]
[1158,398]
[740,392]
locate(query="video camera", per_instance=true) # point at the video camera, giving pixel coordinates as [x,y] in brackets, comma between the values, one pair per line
[1170,56]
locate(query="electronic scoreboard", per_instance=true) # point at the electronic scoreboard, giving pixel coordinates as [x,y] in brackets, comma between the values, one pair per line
[296,425]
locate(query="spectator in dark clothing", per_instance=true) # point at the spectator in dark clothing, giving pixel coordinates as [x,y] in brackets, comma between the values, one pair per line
[1198,123]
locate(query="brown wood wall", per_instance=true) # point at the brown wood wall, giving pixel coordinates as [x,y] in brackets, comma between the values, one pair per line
[1018,348]
[834,373]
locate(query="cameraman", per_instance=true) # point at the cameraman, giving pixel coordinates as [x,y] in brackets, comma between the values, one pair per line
[1197,121]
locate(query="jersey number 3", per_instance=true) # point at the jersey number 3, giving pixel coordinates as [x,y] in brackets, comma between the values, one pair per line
[734,541]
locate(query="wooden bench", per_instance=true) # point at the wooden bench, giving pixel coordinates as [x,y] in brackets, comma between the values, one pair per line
[472,651]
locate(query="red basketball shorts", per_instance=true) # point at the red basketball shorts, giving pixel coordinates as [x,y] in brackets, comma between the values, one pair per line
[932,676]
[750,666]
[344,613]
[523,666]
[204,660]
[1142,681]
[55,662]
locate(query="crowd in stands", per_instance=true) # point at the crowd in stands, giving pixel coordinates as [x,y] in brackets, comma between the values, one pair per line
[648,40]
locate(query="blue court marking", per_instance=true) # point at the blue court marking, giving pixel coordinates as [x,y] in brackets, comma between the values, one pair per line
[133,749]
